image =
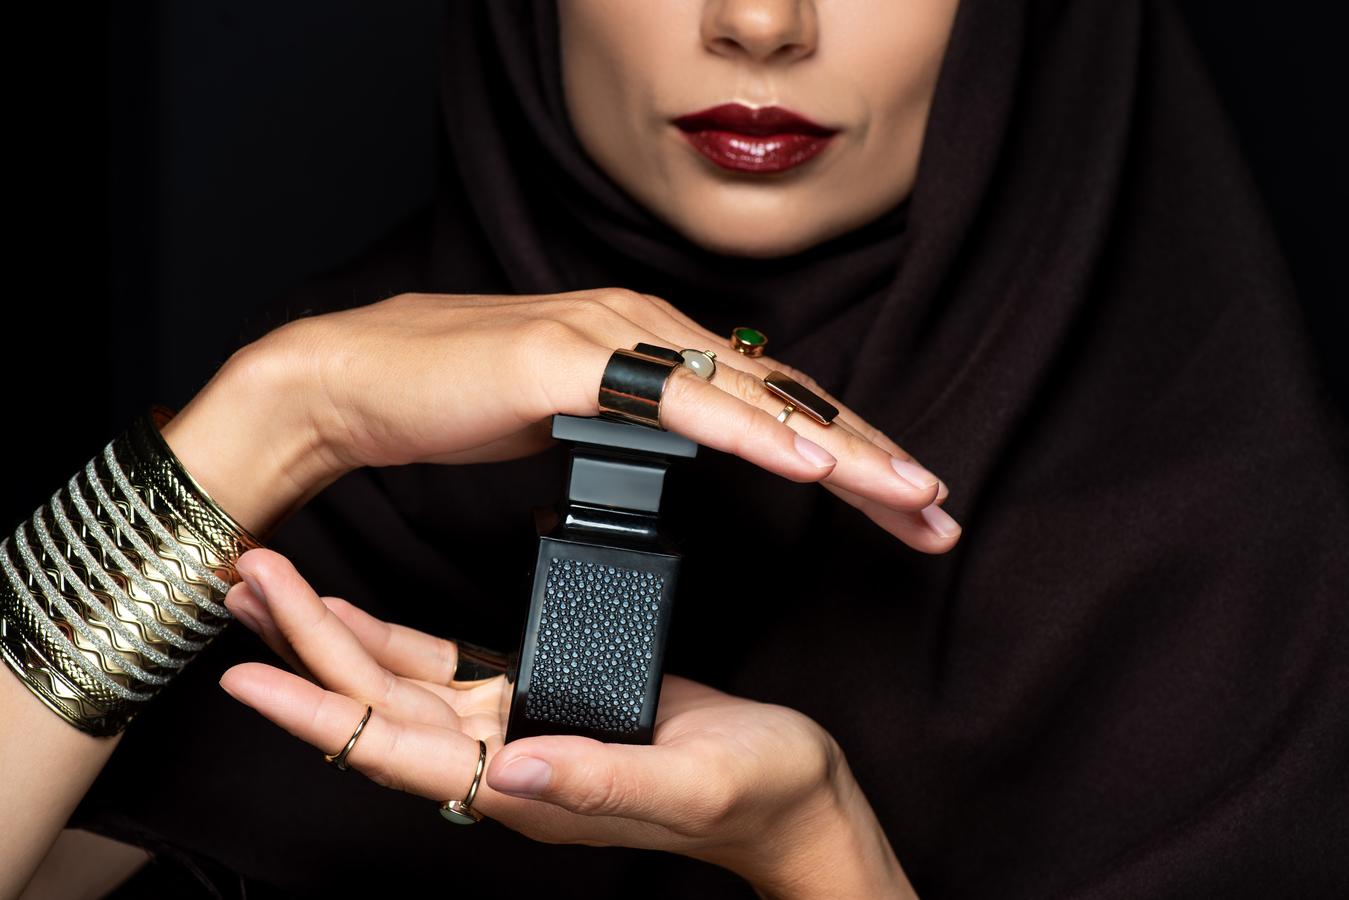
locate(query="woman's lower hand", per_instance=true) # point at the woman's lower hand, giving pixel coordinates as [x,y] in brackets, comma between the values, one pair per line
[757,788]
[448,378]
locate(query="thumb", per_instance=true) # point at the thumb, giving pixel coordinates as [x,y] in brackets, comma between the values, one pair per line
[595,778]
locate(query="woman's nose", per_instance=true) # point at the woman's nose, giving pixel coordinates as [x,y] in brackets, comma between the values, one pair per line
[764,30]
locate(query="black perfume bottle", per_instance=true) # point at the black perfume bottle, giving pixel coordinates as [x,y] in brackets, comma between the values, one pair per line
[591,654]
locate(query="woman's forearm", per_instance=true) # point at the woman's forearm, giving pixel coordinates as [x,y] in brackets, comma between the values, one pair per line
[241,438]
[48,766]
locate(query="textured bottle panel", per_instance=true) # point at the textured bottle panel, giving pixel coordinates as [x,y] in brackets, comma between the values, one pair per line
[596,634]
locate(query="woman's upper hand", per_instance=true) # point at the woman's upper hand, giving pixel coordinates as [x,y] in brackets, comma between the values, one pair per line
[447,378]
[757,788]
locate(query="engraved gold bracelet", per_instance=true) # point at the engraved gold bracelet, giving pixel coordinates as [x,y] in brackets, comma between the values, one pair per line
[111,587]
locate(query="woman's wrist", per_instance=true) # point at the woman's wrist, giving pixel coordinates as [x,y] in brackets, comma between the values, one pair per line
[835,847]
[248,439]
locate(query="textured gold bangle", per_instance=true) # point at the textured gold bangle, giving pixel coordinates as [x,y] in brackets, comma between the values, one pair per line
[80,526]
[30,613]
[165,566]
[129,569]
[132,621]
[110,588]
[126,666]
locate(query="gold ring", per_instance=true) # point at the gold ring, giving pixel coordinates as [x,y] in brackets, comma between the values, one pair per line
[786,411]
[461,812]
[340,759]
[749,341]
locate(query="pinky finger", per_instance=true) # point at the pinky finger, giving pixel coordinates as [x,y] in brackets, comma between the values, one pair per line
[889,446]
[929,530]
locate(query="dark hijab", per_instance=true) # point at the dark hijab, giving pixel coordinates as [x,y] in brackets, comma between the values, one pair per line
[1128,679]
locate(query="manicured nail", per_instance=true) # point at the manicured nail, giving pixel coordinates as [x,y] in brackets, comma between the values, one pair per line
[245,610]
[253,583]
[913,473]
[523,776]
[226,688]
[814,452]
[939,520]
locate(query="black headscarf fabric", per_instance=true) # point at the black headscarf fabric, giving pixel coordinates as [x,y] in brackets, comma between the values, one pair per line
[1130,677]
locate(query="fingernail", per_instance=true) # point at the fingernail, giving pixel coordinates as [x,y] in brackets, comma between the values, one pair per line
[523,776]
[939,520]
[253,583]
[226,688]
[814,452]
[913,473]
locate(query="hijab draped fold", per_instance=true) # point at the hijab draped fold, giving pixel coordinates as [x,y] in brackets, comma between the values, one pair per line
[1127,679]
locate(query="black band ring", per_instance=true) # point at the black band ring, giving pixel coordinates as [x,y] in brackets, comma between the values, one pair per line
[632,386]
[474,662]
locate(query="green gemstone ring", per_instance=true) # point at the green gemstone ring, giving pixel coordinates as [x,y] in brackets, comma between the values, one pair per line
[749,341]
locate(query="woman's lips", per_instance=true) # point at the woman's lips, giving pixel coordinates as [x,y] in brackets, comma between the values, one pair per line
[745,139]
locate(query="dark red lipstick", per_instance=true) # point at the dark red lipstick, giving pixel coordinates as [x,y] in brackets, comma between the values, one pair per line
[767,139]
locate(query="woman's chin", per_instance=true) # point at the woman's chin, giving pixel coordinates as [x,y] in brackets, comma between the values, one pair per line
[746,226]
[750,239]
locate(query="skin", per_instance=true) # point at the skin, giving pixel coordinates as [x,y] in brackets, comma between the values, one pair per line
[868,67]
[286,416]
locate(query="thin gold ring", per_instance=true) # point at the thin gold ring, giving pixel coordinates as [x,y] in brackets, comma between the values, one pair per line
[461,812]
[340,759]
[786,411]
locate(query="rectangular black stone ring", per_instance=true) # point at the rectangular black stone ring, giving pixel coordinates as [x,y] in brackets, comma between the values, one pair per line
[804,399]
[631,387]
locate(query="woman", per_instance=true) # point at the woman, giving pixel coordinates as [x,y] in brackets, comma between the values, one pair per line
[1029,255]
